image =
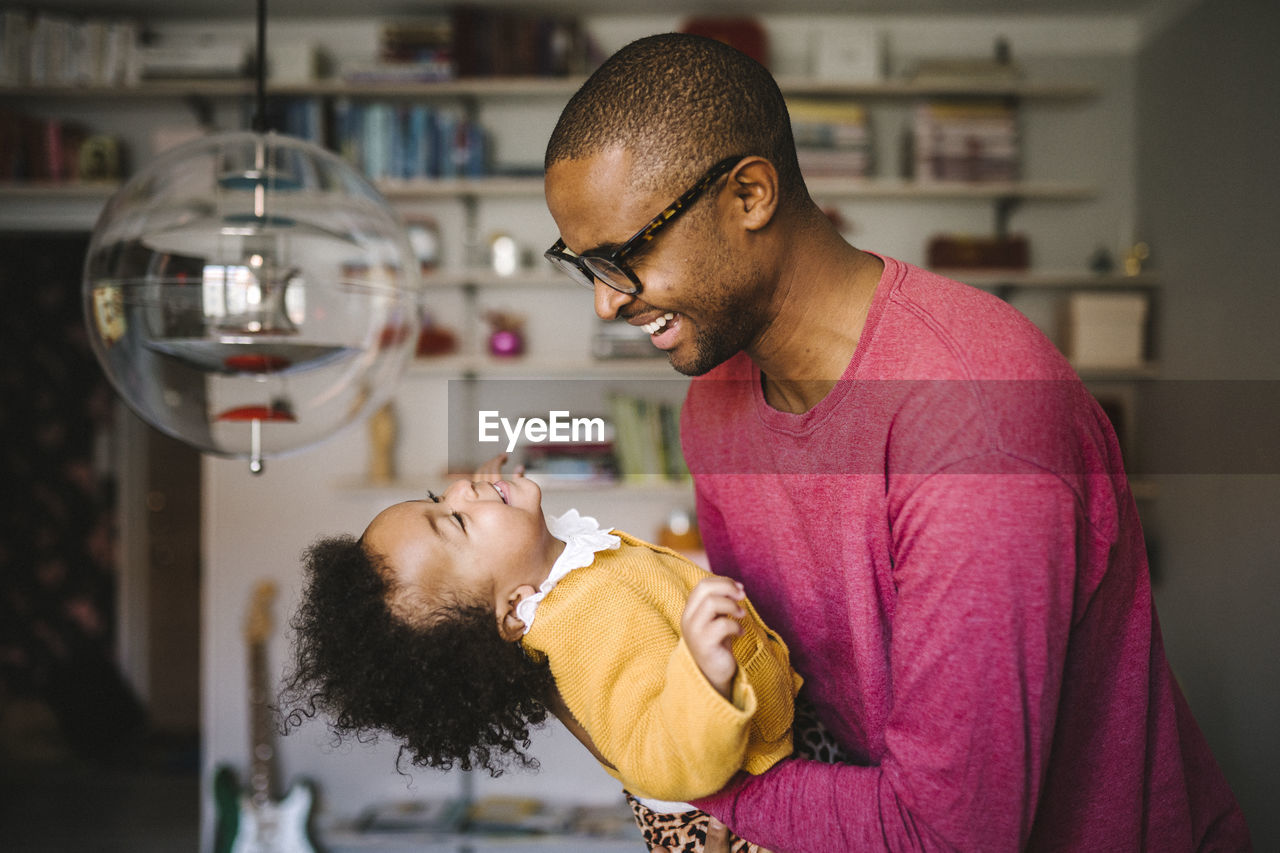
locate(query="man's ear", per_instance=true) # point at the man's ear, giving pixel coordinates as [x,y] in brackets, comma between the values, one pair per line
[511,626]
[754,182]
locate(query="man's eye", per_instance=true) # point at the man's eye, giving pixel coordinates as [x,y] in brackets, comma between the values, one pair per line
[457,516]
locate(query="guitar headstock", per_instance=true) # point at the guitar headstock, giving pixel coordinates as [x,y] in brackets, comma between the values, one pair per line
[257,627]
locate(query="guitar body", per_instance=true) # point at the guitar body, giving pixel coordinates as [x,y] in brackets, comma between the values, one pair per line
[272,826]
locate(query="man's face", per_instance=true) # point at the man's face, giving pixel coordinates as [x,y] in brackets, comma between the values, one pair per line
[699,299]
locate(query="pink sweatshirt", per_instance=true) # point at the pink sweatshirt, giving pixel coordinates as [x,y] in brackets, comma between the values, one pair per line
[949,546]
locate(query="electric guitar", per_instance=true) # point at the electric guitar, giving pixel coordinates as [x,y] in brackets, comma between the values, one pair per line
[251,820]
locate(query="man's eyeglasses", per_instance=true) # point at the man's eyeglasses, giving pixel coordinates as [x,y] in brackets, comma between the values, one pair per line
[611,267]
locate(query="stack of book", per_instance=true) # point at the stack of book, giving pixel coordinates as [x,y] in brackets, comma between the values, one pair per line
[832,139]
[492,42]
[580,463]
[407,141]
[56,50]
[193,56]
[386,140]
[409,51]
[647,439]
[476,41]
[41,149]
[966,140]
[304,118]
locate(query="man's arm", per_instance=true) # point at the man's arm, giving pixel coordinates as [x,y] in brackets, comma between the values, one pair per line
[984,567]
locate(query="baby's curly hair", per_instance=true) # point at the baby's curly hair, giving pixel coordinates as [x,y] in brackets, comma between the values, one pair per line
[450,689]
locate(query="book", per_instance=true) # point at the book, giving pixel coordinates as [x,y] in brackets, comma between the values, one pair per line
[35,148]
[966,140]
[832,138]
[15,35]
[647,439]
[196,57]
[489,42]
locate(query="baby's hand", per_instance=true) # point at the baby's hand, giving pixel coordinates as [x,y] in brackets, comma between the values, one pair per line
[709,623]
[491,471]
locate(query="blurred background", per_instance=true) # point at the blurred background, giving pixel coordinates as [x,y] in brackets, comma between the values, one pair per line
[1115,178]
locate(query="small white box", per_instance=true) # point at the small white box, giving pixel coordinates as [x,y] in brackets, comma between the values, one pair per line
[851,56]
[293,62]
[1107,329]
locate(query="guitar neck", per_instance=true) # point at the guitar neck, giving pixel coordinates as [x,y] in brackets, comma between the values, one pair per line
[262,765]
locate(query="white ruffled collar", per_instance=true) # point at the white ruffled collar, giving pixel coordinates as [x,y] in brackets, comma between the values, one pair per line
[582,536]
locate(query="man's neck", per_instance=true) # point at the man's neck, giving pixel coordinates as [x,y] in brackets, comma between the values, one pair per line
[823,298]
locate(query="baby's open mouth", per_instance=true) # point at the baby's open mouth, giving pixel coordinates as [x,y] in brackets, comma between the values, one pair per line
[497,487]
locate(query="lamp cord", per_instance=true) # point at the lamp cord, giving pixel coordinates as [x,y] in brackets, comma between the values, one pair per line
[260,112]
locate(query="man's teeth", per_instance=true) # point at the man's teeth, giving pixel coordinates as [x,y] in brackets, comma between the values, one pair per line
[656,325]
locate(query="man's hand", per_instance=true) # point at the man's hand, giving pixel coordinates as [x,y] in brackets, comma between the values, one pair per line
[719,838]
[709,623]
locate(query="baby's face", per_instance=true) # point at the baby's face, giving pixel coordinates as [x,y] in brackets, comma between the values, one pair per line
[481,540]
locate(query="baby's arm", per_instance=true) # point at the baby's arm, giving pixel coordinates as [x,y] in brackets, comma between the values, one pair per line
[490,471]
[709,624]
[629,679]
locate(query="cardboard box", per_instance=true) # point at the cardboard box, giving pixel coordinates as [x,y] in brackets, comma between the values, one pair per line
[1106,330]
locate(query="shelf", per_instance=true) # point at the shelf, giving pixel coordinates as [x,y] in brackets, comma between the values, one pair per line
[496,187]
[886,188]
[469,367]
[1150,370]
[1030,278]
[149,89]
[490,280]
[1049,279]
[950,86]
[1144,490]
[430,188]
[550,87]
[895,188]
[464,366]
[654,486]
[532,187]
[99,191]
[229,88]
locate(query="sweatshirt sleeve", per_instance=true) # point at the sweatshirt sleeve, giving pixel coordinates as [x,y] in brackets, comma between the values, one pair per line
[976,657]
[630,680]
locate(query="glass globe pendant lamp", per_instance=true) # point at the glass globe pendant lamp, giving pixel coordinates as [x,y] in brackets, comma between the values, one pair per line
[250,293]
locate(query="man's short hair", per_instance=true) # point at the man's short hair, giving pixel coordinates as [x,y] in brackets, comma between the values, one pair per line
[679,103]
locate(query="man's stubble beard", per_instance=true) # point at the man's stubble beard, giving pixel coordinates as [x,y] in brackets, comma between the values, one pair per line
[728,323]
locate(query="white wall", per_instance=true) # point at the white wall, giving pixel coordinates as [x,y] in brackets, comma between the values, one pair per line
[256,527]
[1208,89]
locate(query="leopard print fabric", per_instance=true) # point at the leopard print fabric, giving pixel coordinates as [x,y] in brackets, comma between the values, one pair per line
[686,832]
[812,740]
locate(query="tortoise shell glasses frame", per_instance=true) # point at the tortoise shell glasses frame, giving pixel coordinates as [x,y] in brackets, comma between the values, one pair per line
[611,267]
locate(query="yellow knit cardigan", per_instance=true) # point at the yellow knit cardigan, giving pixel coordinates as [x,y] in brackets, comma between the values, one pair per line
[611,631]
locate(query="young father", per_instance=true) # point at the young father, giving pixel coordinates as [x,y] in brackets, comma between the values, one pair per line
[913,485]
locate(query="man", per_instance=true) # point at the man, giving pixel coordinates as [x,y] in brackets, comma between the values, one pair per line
[910,481]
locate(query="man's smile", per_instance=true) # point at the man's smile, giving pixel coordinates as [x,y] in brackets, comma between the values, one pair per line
[663,327]
[658,323]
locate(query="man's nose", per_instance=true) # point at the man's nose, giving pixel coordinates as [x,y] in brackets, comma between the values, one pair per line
[608,301]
